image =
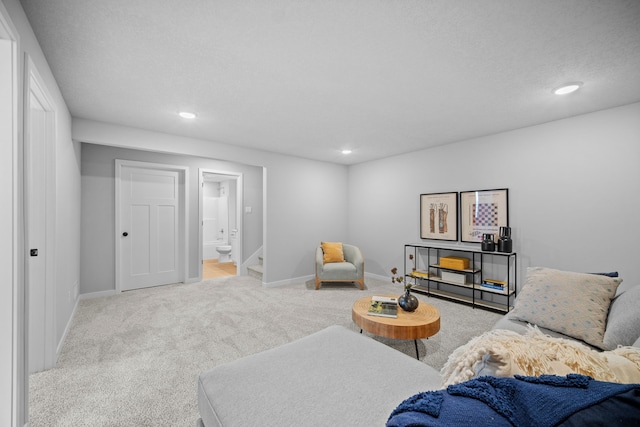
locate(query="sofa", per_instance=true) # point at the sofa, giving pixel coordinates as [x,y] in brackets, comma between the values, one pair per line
[334,377]
[338,377]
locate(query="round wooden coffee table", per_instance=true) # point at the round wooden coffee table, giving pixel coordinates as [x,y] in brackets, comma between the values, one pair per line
[422,323]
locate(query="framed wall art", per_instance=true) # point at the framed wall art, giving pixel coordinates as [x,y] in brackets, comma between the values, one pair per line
[483,212]
[439,216]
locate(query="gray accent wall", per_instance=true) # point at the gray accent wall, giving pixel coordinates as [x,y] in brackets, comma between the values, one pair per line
[574,187]
[97,271]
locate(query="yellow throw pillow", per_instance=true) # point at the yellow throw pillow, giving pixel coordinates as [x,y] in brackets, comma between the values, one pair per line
[332,252]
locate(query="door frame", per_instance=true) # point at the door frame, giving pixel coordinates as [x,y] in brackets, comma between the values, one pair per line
[238,176]
[183,227]
[13,372]
[33,83]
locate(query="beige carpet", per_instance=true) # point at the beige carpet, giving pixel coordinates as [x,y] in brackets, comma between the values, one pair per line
[133,359]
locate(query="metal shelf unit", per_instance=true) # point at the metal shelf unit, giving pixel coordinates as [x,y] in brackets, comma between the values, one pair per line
[483,266]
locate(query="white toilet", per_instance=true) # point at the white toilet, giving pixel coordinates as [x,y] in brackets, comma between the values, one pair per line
[225,253]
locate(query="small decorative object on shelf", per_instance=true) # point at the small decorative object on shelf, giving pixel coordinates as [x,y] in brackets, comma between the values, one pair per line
[457,278]
[454,262]
[488,245]
[505,244]
[406,301]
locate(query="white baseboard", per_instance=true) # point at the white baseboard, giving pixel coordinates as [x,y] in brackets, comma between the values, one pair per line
[73,315]
[66,330]
[312,277]
[377,276]
[100,294]
[288,281]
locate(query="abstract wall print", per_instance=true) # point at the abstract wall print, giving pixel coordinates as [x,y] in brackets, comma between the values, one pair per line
[439,216]
[483,212]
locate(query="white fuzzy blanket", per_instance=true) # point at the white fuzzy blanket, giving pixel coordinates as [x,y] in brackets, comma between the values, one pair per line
[504,353]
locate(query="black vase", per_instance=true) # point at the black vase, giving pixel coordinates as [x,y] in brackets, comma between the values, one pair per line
[408,302]
[505,244]
[487,243]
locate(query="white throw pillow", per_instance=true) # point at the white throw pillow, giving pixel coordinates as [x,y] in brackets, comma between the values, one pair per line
[574,304]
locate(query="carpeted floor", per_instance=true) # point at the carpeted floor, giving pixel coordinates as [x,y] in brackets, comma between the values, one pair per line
[133,359]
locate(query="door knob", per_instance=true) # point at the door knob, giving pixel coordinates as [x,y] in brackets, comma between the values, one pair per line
[125,234]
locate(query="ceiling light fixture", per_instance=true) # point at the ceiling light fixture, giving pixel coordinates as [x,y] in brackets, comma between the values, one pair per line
[567,88]
[187,115]
[346,151]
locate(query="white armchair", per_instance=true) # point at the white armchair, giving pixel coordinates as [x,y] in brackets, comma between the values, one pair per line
[351,270]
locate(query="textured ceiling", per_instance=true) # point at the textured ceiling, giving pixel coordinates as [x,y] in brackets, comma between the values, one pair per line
[309,78]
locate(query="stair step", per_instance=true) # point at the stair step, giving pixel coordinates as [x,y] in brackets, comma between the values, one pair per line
[255,271]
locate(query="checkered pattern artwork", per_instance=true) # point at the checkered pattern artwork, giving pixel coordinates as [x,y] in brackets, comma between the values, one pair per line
[486,215]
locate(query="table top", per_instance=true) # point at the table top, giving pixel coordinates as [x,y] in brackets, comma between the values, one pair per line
[422,323]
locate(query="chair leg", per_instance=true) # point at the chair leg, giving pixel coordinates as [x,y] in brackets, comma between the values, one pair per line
[317,283]
[361,283]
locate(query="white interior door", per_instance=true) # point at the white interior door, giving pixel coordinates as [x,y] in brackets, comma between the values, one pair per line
[36,229]
[39,139]
[150,232]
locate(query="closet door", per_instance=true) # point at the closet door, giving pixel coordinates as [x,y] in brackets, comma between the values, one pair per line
[150,232]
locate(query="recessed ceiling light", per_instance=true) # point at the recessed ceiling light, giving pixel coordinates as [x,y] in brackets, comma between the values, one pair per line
[346,151]
[187,115]
[567,88]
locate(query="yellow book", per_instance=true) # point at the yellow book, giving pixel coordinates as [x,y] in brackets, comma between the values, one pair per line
[419,273]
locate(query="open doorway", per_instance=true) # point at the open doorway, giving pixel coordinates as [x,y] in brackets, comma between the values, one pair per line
[220,223]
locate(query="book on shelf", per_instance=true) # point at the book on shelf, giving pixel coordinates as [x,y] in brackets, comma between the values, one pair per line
[419,274]
[383,309]
[494,286]
[496,282]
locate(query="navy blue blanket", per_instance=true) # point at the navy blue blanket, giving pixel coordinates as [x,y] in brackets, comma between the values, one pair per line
[542,401]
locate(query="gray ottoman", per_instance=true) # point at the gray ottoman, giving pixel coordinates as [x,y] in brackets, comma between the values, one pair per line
[334,377]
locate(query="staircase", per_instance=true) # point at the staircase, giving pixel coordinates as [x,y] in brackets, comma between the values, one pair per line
[256,270]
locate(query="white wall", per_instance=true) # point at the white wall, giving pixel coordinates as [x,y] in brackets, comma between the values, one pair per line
[307,200]
[571,185]
[67,230]
[573,193]
[67,199]
[10,248]
[97,272]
